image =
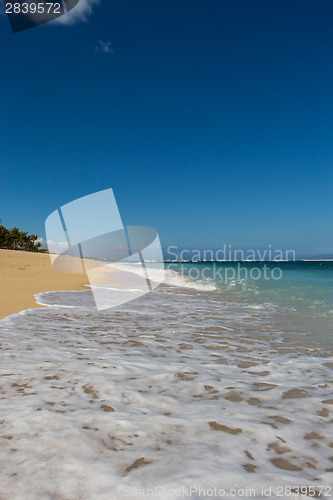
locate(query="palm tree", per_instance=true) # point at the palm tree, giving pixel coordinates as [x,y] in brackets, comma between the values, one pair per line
[3,235]
[15,236]
[33,238]
[24,239]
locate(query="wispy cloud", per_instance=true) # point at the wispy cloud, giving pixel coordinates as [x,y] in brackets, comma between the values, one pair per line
[104,47]
[78,14]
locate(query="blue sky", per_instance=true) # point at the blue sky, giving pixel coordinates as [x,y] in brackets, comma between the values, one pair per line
[212,121]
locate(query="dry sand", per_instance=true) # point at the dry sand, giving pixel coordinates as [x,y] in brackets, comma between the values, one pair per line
[24,274]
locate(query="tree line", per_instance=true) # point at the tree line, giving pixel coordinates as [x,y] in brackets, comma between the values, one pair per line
[15,239]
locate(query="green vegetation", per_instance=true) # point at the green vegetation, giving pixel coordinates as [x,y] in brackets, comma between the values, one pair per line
[14,239]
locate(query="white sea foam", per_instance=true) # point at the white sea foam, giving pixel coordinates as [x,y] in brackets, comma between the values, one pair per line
[173,390]
[168,276]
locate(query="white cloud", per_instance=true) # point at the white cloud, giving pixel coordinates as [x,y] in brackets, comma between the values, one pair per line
[79,13]
[104,47]
[57,247]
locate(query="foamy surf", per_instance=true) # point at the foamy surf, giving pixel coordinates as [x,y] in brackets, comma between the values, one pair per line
[167,276]
[183,387]
[168,392]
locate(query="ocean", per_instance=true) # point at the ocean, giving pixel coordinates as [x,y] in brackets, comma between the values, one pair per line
[218,384]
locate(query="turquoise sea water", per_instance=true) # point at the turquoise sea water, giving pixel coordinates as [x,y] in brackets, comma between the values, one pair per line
[300,292]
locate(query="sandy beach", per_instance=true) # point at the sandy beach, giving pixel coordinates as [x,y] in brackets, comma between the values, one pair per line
[24,274]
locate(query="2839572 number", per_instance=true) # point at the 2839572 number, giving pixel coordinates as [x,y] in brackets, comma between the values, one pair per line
[33,8]
[310,491]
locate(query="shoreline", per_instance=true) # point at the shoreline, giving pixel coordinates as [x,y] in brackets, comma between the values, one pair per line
[26,274]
